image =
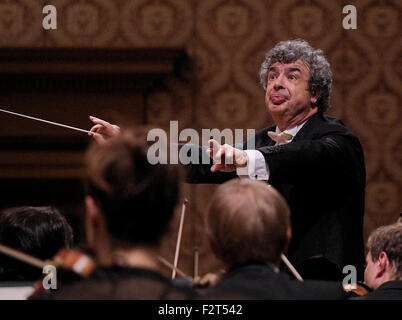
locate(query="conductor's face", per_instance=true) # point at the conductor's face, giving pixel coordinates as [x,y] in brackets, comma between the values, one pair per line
[287,94]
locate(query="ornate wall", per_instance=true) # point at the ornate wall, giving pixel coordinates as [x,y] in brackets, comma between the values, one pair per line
[226,41]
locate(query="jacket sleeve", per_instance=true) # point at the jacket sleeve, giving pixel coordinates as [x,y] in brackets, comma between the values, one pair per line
[330,157]
[198,166]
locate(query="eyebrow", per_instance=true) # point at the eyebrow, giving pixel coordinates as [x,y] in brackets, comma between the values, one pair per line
[294,69]
[291,69]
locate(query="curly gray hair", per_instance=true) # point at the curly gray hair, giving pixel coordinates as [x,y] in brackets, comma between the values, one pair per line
[320,72]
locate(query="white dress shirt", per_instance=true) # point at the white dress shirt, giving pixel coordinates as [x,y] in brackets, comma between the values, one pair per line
[257,168]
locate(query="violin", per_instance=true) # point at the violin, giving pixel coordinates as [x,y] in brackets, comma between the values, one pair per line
[71,265]
[358,289]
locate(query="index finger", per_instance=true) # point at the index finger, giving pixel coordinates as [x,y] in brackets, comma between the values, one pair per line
[100,121]
[214,145]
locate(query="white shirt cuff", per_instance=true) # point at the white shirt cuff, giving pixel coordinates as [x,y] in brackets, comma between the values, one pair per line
[256,168]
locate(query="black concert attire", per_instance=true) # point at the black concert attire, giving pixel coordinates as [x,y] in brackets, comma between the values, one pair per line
[121,283]
[321,174]
[263,282]
[391,290]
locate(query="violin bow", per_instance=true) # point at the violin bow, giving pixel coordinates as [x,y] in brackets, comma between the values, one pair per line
[179,235]
[21,256]
[171,267]
[196,261]
[291,267]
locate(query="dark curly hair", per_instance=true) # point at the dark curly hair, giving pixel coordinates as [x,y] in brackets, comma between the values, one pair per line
[320,72]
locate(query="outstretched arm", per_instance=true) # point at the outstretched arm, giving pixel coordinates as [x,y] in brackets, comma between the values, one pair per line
[226,159]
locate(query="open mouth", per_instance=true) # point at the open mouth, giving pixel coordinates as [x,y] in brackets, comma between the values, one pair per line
[278,98]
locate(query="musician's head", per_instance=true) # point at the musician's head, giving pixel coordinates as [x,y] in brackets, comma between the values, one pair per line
[297,79]
[37,231]
[384,255]
[130,201]
[248,221]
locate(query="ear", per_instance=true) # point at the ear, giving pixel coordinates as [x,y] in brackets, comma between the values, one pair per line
[98,238]
[173,225]
[92,220]
[212,246]
[383,264]
[314,96]
[288,238]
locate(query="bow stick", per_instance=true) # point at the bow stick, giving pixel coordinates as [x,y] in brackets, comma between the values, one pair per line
[170,266]
[21,256]
[176,256]
[291,267]
[196,259]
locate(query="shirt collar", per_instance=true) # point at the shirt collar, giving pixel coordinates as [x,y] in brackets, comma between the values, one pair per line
[292,131]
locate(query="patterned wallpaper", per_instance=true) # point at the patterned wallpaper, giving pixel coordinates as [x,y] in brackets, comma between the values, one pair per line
[226,41]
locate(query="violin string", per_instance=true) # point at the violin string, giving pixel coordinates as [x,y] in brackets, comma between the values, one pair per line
[45,121]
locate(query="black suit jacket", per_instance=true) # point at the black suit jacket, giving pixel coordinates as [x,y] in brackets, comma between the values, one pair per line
[321,174]
[121,283]
[391,290]
[261,282]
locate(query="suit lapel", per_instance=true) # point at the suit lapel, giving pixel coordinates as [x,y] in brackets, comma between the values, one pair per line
[309,127]
[305,132]
[267,141]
